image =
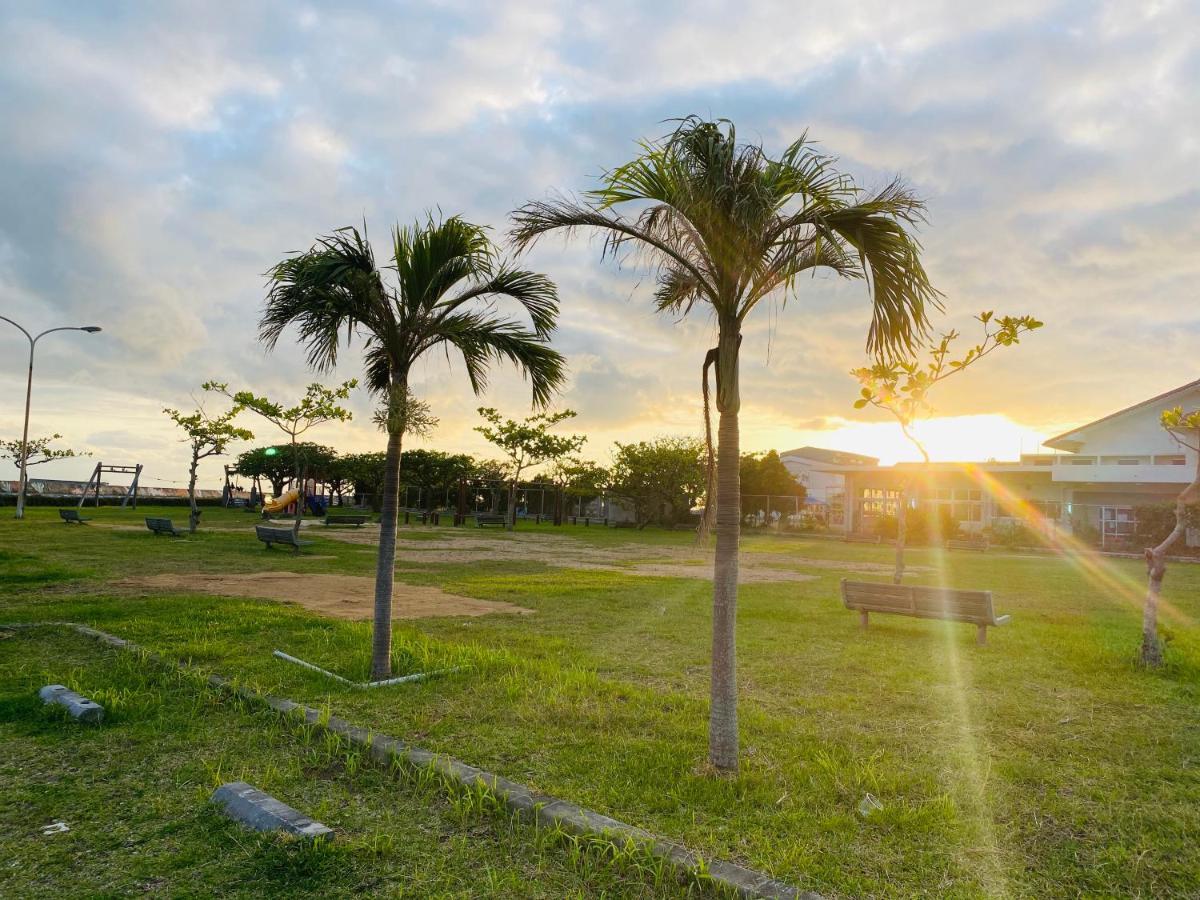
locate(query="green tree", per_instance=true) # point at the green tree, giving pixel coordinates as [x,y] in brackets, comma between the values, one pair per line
[206,435]
[661,479]
[765,475]
[527,444]
[274,463]
[367,471]
[726,226]
[448,276]
[435,470]
[37,451]
[1184,427]
[576,477]
[318,406]
[901,387]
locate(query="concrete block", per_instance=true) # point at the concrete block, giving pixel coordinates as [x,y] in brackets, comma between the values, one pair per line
[262,812]
[78,706]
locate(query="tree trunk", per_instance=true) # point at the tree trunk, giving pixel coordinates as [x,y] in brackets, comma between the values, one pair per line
[512,504]
[901,533]
[1151,654]
[723,722]
[300,492]
[194,509]
[385,568]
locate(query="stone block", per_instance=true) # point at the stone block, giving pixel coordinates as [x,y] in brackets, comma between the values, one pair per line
[262,812]
[78,706]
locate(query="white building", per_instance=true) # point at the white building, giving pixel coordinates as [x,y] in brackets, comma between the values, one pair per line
[1105,470]
[825,488]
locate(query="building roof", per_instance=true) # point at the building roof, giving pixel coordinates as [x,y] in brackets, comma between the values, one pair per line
[832,457]
[1064,441]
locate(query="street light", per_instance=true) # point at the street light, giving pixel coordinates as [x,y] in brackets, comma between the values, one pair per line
[90,329]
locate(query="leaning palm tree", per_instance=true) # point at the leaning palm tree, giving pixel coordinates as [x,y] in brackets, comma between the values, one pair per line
[447,275]
[723,224]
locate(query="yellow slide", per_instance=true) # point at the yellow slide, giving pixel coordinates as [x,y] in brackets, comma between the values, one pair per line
[279,504]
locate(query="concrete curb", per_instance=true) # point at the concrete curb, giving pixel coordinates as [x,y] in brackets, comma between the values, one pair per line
[528,805]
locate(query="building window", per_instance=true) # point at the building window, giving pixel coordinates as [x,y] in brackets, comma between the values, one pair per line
[1080,460]
[1170,461]
[1129,461]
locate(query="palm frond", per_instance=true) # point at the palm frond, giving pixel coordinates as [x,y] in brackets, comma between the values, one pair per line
[483,340]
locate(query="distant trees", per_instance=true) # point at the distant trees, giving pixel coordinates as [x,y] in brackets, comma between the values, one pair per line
[206,435]
[764,474]
[661,479]
[1184,427]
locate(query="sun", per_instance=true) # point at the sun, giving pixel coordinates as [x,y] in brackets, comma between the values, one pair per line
[947,439]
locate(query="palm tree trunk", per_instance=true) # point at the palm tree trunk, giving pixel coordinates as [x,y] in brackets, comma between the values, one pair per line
[723,722]
[385,568]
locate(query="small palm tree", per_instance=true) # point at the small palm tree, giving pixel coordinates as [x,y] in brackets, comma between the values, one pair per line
[447,274]
[723,224]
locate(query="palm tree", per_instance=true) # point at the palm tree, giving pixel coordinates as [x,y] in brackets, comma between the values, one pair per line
[723,224]
[446,277]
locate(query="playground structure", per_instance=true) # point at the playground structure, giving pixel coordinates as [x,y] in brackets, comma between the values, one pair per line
[94,482]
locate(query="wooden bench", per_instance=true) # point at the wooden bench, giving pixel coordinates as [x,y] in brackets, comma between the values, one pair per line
[863,539]
[269,536]
[71,517]
[923,603]
[967,544]
[162,526]
[355,520]
[482,519]
[588,521]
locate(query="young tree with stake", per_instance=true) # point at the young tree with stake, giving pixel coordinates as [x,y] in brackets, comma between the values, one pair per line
[37,451]
[1184,427]
[207,435]
[527,444]
[902,386]
[318,406]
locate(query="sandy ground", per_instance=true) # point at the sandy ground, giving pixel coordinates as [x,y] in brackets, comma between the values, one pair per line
[569,553]
[338,596]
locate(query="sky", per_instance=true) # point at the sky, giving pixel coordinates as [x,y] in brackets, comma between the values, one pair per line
[158,158]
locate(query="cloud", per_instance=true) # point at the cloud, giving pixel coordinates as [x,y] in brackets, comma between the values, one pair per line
[164,158]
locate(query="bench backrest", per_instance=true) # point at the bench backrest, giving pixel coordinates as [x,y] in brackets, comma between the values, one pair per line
[159,524]
[920,601]
[275,535]
[70,515]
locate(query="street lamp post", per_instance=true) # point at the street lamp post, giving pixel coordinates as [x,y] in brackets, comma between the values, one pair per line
[90,329]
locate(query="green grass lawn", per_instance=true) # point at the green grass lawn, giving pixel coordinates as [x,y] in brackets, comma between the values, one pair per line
[1044,764]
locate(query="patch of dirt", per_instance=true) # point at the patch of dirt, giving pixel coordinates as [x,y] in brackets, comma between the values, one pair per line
[569,553]
[338,596]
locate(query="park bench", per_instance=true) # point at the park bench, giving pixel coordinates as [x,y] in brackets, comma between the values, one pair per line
[71,517]
[162,526]
[482,519]
[923,603]
[425,516]
[588,521]
[269,535]
[863,539]
[967,544]
[355,520]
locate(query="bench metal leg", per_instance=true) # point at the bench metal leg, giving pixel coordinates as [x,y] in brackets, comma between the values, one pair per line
[863,615]
[981,635]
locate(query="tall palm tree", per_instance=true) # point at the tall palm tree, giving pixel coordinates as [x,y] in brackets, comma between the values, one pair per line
[446,276]
[723,224]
